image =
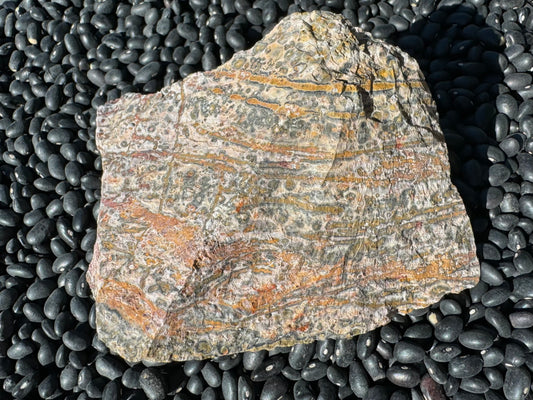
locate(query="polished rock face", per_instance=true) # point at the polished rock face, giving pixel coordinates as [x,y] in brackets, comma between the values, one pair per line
[300,191]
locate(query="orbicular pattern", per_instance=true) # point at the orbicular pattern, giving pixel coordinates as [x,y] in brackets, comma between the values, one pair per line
[298,192]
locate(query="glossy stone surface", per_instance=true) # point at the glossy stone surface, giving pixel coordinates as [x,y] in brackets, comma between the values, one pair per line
[300,191]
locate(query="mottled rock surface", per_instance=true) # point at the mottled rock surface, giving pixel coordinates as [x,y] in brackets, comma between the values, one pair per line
[299,191]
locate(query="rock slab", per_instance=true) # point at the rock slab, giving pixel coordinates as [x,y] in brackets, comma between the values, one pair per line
[300,191]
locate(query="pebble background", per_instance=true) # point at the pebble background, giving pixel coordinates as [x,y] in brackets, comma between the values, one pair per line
[61,59]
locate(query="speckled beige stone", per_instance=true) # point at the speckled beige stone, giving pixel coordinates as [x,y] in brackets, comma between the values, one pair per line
[300,191]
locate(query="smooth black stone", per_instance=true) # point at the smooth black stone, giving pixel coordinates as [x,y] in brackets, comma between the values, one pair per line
[46,354]
[512,145]
[109,367]
[518,80]
[147,72]
[490,274]
[235,39]
[225,363]
[526,206]
[41,289]
[465,366]
[9,218]
[345,350]
[300,355]
[498,174]
[505,222]
[6,324]
[195,385]
[375,367]
[54,303]
[314,371]
[476,339]
[25,386]
[22,270]
[496,296]
[524,336]
[521,319]
[70,280]
[403,376]
[523,287]
[76,339]
[274,388]
[499,321]
[494,377]
[515,355]
[53,97]
[56,166]
[517,239]
[337,376]
[492,357]
[290,373]
[526,125]
[60,136]
[325,349]
[130,378]
[517,383]
[229,386]
[366,344]
[507,105]
[245,390]
[358,379]
[85,377]
[383,31]
[20,350]
[188,32]
[32,217]
[449,328]
[72,201]
[7,298]
[407,353]
[211,375]
[33,312]
[80,309]
[48,387]
[510,203]
[435,370]
[268,368]
[111,391]
[525,166]
[476,385]
[64,262]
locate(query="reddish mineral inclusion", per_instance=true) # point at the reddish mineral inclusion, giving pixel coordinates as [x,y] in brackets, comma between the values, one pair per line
[300,191]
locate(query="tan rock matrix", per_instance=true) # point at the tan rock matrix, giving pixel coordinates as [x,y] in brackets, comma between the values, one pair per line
[300,191]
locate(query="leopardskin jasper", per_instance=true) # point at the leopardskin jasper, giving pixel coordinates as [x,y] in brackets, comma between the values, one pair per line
[300,191]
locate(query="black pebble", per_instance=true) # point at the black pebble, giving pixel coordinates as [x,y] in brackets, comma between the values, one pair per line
[407,353]
[211,375]
[403,376]
[300,355]
[245,390]
[517,383]
[274,388]
[476,339]
[465,366]
[109,366]
[268,368]
[449,328]
[148,72]
[521,319]
[314,371]
[358,379]
[152,384]
[345,350]
[229,386]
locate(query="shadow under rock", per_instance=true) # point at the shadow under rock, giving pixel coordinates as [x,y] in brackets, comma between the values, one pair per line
[461,59]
